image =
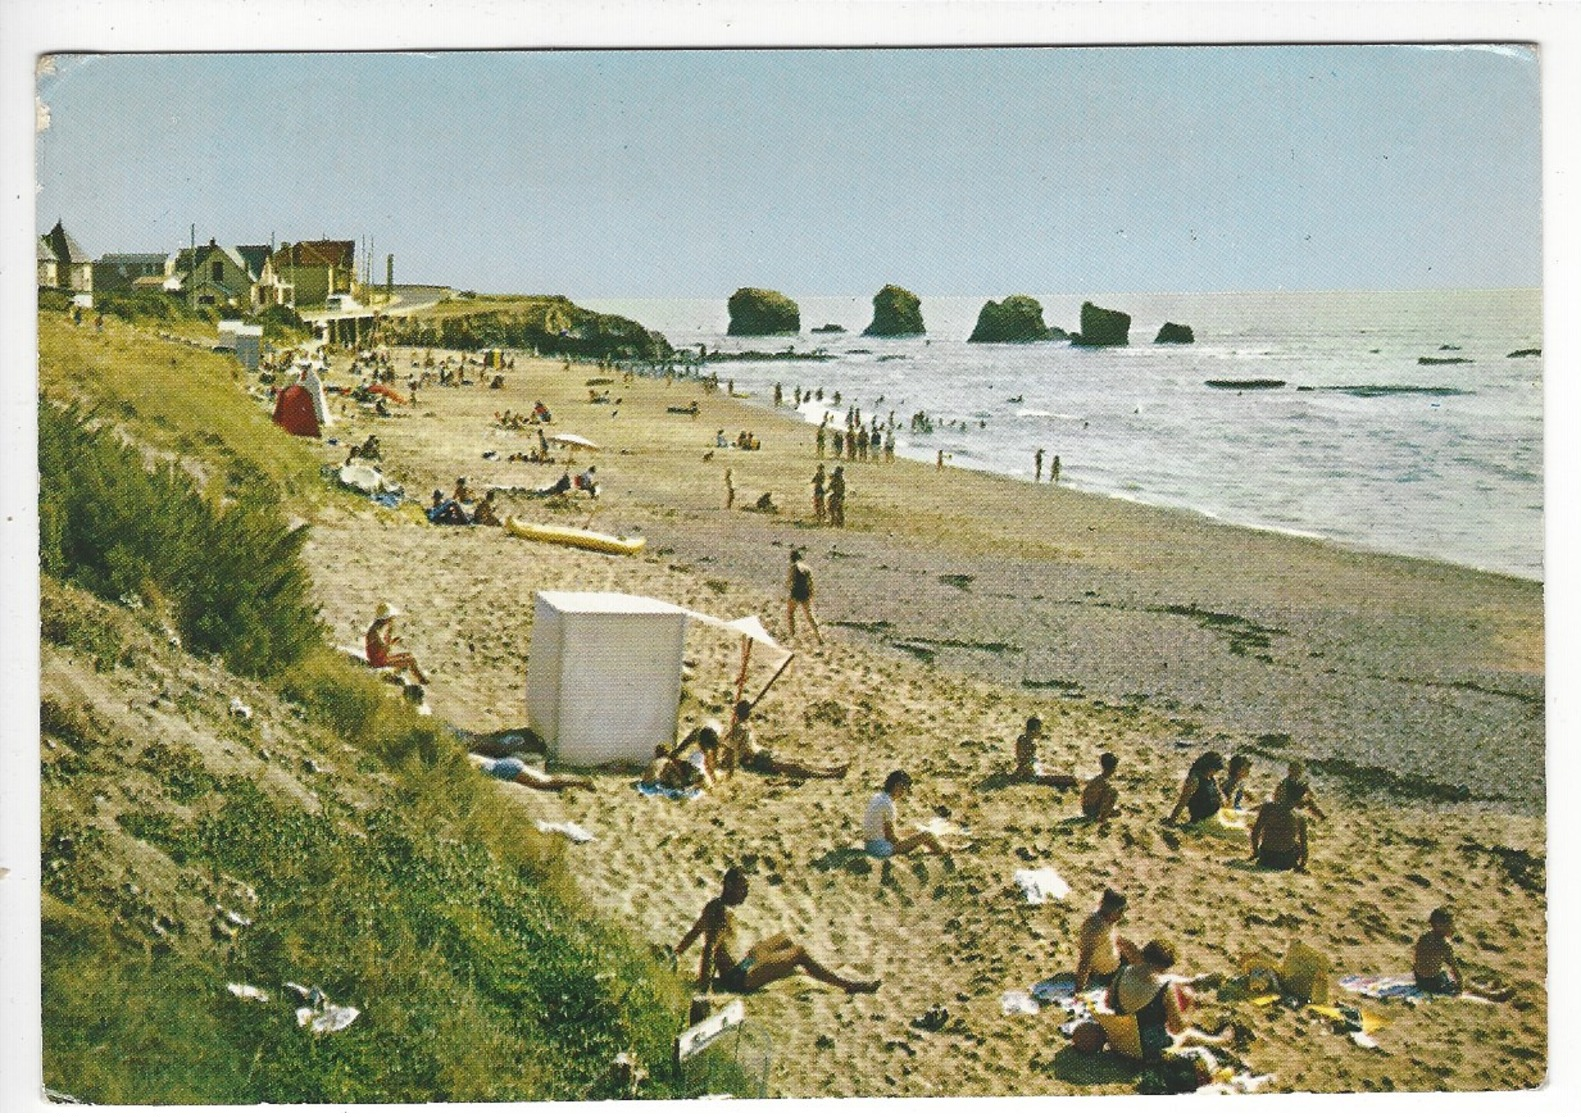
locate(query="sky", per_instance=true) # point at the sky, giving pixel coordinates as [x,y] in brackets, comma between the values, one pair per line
[948,171]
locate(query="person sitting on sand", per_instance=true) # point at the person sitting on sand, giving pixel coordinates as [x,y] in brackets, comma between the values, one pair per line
[484,513]
[1100,948]
[667,770]
[1297,773]
[1434,966]
[879,823]
[1100,801]
[798,592]
[1200,794]
[1234,785]
[1026,768]
[380,640]
[462,495]
[1279,836]
[766,961]
[1145,991]
[516,770]
[704,759]
[587,481]
[742,749]
[447,512]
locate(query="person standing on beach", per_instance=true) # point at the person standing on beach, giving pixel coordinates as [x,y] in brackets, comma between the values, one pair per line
[837,497]
[1037,466]
[938,462]
[817,493]
[798,592]
[1054,471]
[730,488]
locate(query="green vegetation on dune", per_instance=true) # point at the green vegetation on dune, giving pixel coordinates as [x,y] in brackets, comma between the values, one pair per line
[550,324]
[333,838]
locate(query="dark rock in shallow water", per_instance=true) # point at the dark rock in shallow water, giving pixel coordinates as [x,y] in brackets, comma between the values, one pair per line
[828,328]
[1173,333]
[1243,385]
[896,313]
[1443,360]
[1018,318]
[1527,353]
[755,312]
[1102,327]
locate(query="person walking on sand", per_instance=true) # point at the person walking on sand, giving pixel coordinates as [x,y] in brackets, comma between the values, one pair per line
[938,461]
[823,433]
[1037,466]
[767,960]
[1054,471]
[380,640]
[730,488]
[1100,801]
[1279,836]
[1434,966]
[837,497]
[798,592]
[818,481]
[880,822]
[1100,948]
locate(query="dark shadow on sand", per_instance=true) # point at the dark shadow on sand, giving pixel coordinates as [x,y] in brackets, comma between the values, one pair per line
[1103,1069]
[849,858]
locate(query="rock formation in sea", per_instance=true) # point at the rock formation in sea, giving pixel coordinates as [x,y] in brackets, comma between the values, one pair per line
[1173,333]
[1102,327]
[1527,353]
[829,328]
[1018,318]
[755,312]
[896,313]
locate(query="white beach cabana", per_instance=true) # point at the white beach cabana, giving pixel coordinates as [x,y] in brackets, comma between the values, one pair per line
[604,673]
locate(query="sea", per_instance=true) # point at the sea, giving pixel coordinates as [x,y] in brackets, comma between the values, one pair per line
[1363,443]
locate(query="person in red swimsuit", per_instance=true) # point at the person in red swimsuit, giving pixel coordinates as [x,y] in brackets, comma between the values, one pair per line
[380,640]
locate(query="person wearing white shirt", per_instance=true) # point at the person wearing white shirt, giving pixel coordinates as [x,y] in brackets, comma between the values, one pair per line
[879,822]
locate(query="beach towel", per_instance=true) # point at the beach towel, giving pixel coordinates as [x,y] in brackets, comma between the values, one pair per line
[1396,987]
[1053,990]
[1013,1002]
[569,829]
[1228,823]
[1040,885]
[659,790]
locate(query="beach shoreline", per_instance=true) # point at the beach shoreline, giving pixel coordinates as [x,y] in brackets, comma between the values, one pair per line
[952,606]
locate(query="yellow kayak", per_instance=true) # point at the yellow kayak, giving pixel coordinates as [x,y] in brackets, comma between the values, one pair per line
[575,537]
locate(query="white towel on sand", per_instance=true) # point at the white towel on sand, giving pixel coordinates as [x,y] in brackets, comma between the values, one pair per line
[1039,885]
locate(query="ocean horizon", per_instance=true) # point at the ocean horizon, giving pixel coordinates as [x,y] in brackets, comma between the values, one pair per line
[1364,444]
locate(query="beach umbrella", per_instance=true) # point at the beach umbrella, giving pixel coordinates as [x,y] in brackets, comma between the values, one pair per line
[573,440]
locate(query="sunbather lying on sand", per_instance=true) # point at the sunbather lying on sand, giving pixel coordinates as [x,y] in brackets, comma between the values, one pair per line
[1145,991]
[768,960]
[742,749]
[517,770]
[879,822]
[1434,966]
[1100,948]
[1099,799]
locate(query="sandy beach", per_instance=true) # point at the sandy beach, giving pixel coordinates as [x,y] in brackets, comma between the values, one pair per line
[953,605]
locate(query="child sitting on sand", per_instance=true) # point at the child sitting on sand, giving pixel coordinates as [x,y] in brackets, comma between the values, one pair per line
[1279,836]
[1099,799]
[1307,802]
[1434,966]
[1026,768]
[879,822]
[767,960]
[1234,787]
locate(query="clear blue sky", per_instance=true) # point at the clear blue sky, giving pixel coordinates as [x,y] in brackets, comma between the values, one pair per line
[961,171]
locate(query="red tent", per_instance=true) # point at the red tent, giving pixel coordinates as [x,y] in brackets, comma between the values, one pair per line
[293,410]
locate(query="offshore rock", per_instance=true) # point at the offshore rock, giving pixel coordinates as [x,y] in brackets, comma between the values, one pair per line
[1173,333]
[1018,318]
[755,312]
[896,313]
[1103,327]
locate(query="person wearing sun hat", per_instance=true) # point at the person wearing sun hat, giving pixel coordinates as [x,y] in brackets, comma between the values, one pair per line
[380,640]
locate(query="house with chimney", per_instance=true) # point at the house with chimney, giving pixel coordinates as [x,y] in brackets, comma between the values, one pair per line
[316,269]
[269,287]
[211,275]
[62,264]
